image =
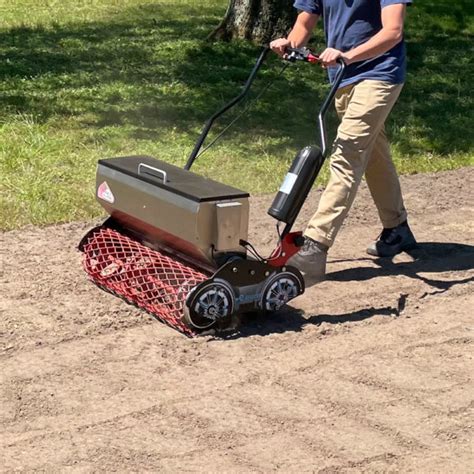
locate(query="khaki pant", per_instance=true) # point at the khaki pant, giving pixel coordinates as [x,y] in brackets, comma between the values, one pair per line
[360,147]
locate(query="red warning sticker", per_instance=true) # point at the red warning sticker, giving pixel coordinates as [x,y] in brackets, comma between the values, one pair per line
[105,193]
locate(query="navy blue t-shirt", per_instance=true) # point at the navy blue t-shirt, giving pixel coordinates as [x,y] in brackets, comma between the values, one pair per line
[349,23]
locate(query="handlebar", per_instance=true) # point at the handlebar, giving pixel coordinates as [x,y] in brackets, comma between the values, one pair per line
[305,55]
[234,101]
[300,54]
[327,103]
[293,55]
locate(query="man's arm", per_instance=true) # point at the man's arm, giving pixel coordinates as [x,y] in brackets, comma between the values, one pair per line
[298,36]
[393,17]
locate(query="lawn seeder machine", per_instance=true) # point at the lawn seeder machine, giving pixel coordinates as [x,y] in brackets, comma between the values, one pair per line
[175,243]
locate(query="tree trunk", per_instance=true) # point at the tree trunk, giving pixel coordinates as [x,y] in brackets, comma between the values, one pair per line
[257,20]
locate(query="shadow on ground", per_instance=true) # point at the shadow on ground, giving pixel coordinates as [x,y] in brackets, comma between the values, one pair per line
[429,257]
[294,320]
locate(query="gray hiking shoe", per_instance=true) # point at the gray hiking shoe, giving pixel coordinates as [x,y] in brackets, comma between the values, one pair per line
[392,241]
[311,260]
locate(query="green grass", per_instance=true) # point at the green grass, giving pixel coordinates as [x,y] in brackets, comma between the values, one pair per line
[81,80]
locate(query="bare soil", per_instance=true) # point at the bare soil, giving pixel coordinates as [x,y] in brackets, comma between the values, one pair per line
[370,370]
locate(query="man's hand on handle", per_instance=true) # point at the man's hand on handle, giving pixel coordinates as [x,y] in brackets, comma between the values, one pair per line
[330,56]
[280,45]
[327,58]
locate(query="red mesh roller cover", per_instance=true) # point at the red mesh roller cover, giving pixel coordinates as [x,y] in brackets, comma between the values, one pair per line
[142,276]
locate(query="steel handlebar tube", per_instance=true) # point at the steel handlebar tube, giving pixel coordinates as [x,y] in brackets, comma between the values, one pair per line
[234,101]
[322,113]
[327,103]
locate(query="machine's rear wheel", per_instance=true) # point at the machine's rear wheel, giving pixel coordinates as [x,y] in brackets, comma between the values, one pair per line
[282,288]
[209,303]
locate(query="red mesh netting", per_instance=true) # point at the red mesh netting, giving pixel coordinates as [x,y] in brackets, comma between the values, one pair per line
[145,277]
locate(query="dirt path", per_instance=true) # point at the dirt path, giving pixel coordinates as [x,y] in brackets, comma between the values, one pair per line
[372,371]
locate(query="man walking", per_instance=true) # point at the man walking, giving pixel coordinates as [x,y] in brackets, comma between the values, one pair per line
[368,36]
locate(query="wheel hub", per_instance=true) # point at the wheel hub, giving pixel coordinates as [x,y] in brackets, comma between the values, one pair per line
[208,304]
[279,291]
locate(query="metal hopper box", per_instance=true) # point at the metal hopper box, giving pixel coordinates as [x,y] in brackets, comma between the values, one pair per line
[160,202]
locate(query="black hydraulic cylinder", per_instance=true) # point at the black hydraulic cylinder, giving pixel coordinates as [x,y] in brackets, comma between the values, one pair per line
[297,184]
